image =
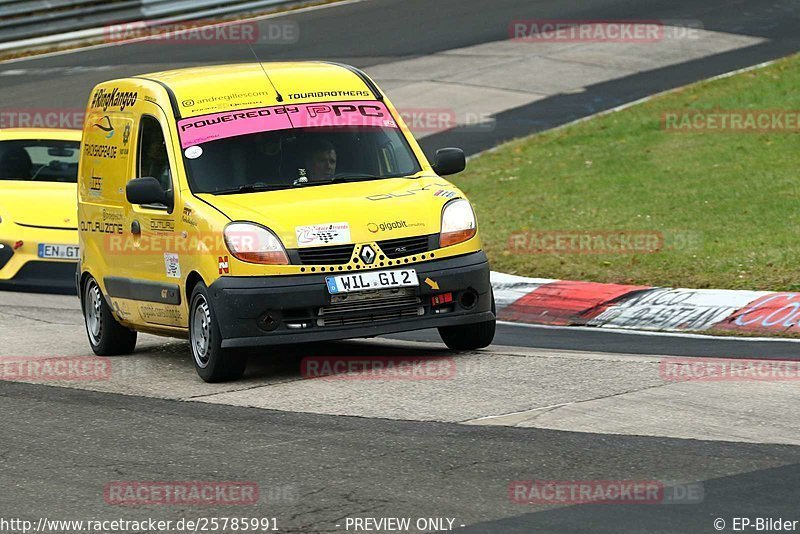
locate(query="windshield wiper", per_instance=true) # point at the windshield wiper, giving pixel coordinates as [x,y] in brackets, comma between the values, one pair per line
[337,179]
[249,188]
[357,178]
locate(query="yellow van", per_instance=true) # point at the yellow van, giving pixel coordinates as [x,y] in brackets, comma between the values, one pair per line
[38,224]
[269,203]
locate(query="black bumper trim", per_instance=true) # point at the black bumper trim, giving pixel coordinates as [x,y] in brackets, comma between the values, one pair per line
[241,302]
[6,253]
[44,277]
[142,290]
[330,334]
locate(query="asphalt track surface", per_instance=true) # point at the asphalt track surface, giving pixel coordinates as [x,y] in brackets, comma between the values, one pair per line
[359,451]
[377,32]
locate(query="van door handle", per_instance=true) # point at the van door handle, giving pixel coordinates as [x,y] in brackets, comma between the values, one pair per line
[136,228]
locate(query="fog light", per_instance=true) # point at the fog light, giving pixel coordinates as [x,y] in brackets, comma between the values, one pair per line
[298,325]
[468,299]
[268,323]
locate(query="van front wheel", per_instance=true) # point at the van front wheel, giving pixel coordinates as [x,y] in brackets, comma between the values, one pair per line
[106,336]
[212,362]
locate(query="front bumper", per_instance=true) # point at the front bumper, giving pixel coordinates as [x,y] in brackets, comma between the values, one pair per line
[22,271]
[273,310]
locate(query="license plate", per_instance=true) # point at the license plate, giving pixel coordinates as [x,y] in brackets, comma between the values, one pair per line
[59,252]
[348,283]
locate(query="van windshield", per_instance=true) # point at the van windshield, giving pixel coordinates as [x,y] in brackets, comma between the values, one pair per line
[33,160]
[294,146]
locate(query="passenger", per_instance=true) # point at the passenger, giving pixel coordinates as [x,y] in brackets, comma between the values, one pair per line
[320,161]
[264,165]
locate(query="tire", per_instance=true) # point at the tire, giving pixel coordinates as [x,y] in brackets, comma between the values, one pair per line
[106,336]
[469,336]
[211,361]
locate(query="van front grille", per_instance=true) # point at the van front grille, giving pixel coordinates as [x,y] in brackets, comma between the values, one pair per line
[370,311]
[335,255]
[405,246]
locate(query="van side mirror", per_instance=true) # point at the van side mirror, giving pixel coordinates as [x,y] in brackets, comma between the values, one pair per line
[145,191]
[449,161]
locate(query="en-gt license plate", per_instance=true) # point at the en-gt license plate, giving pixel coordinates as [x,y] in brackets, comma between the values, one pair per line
[59,252]
[347,283]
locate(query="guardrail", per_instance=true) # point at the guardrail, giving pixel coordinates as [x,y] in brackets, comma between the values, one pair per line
[27,23]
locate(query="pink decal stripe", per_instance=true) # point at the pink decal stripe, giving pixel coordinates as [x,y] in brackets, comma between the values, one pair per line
[198,130]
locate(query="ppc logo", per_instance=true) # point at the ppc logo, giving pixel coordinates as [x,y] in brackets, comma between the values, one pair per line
[107,127]
[313,111]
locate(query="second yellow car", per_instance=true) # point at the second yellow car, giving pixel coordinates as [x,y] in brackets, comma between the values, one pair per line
[38,212]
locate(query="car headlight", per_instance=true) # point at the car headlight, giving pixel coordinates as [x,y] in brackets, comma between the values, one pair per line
[255,244]
[458,223]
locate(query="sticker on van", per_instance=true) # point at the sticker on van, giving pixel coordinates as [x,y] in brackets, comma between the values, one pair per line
[173,265]
[193,152]
[323,234]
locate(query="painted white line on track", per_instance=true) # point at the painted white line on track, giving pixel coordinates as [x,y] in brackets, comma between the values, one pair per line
[650,332]
[627,105]
[664,93]
[219,24]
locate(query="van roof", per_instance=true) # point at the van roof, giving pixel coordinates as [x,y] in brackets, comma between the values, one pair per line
[9,134]
[211,89]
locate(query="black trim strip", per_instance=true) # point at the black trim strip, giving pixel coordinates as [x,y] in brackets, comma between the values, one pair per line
[212,205]
[142,290]
[46,227]
[172,99]
[361,74]
[6,253]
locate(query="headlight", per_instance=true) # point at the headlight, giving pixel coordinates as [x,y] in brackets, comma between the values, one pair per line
[254,244]
[458,223]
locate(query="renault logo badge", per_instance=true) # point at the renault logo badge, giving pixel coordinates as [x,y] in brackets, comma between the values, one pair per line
[367,254]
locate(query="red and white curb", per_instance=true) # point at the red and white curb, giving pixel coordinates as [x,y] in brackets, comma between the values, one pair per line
[568,303]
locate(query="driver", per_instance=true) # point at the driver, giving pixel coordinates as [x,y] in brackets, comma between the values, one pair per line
[156,160]
[320,161]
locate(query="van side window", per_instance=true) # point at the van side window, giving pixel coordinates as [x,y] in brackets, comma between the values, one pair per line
[152,159]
